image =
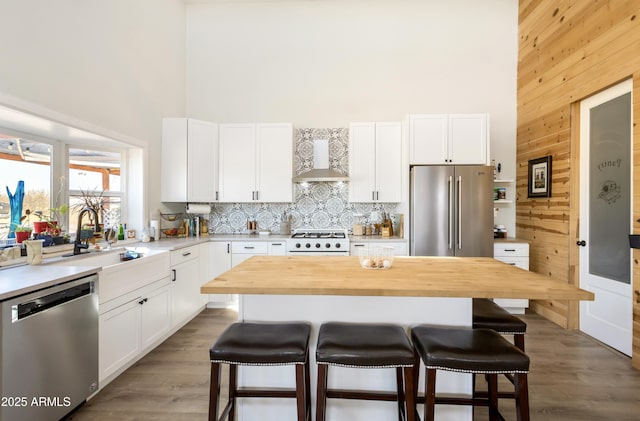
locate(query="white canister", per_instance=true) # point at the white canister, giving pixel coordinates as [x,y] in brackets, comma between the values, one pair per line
[34,251]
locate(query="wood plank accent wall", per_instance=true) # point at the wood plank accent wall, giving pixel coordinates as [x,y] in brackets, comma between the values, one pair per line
[568,51]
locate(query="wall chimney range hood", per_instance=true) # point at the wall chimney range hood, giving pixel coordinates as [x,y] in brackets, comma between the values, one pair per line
[321,170]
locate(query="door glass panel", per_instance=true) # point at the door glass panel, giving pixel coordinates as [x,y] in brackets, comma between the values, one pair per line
[610,189]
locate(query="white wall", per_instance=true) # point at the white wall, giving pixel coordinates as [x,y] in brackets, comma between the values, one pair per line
[116,64]
[325,63]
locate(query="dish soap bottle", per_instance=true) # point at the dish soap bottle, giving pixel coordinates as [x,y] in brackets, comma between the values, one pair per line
[121,232]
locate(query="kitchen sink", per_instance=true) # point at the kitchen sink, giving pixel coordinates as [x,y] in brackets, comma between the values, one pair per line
[104,258]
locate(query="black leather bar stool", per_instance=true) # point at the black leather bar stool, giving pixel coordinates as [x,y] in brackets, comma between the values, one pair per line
[489,315]
[360,345]
[261,344]
[476,351]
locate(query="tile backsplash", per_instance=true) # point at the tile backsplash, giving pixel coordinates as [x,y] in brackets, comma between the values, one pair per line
[315,205]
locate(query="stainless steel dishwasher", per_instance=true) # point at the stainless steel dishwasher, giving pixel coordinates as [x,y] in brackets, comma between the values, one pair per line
[49,351]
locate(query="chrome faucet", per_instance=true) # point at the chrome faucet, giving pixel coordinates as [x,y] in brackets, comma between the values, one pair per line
[78,245]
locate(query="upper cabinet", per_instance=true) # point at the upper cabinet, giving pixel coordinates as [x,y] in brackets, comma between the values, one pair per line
[256,162]
[189,160]
[454,139]
[375,162]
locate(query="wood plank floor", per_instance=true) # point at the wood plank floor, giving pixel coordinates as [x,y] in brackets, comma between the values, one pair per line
[573,378]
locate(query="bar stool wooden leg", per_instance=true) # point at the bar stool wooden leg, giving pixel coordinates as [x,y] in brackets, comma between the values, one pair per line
[300,393]
[518,340]
[401,397]
[214,394]
[307,389]
[492,381]
[430,395]
[233,391]
[410,394]
[522,397]
[321,403]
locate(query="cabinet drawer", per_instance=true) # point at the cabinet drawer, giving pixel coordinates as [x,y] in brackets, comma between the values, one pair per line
[184,254]
[521,262]
[249,247]
[510,249]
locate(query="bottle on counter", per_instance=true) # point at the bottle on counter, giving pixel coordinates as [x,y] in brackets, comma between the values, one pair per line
[121,232]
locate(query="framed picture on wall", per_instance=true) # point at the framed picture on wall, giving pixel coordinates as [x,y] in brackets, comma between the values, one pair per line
[539,180]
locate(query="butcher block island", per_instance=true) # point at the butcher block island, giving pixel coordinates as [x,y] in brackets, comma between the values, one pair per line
[463,277]
[415,290]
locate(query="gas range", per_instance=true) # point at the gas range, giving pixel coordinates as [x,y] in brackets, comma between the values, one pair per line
[334,242]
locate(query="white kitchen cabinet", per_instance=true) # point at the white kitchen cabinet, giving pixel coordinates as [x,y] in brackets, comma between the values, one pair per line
[185,285]
[242,250]
[219,262]
[357,247]
[277,248]
[189,160]
[131,325]
[375,162]
[517,254]
[256,162]
[450,139]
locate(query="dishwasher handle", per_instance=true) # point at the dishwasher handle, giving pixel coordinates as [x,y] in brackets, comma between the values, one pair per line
[45,302]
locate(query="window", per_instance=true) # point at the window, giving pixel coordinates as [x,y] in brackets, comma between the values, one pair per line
[94,176]
[86,172]
[29,161]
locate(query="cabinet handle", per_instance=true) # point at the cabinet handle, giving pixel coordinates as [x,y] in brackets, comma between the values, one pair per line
[512,264]
[228,248]
[188,253]
[358,245]
[217,196]
[144,300]
[509,249]
[276,244]
[173,275]
[257,194]
[249,247]
[373,195]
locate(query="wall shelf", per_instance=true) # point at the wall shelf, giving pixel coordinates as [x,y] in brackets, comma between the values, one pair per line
[502,201]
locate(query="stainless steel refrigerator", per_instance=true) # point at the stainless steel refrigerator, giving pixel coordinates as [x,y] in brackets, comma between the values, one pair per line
[451,211]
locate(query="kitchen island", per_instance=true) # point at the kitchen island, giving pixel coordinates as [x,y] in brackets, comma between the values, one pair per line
[415,290]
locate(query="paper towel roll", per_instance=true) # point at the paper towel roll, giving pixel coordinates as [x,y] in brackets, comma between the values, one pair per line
[155,229]
[198,208]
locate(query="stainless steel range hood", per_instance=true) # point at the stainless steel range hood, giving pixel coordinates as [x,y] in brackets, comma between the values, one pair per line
[321,170]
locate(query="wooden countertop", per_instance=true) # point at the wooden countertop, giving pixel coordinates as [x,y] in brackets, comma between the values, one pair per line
[475,277]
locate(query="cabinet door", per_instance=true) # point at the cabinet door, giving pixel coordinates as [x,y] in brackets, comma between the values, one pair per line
[155,315]
[202,177]
[237,162]
[185,295]
[119,337]
[388,162]
[362,162]
[274,148]
[219,262]
[468,139]
[174,160]
[428,139]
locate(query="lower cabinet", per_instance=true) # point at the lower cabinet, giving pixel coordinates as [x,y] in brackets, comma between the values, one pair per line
[186,299]
[399,247]
[219,262]
[131,325]
[517,254]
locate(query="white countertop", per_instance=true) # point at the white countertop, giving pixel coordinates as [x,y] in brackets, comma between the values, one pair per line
[28,278]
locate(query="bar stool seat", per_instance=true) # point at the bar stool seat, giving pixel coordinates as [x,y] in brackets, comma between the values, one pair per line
[361,345]
[477,351]
[489,315]
[261,344]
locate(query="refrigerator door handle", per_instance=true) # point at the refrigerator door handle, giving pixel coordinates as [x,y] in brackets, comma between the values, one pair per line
[450,218]
[459,212]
